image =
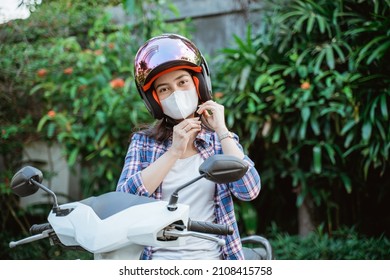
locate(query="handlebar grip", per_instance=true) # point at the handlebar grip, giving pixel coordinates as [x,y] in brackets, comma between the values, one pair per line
[207,227]
[37,229]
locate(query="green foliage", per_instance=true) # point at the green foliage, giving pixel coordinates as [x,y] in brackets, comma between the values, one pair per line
[91,102]
[79,73]
[247,218]
[308,92]
[344,244]
[27,54]
[66,18]
[66,76]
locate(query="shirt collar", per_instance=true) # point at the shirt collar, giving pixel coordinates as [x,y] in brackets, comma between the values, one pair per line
[205,136]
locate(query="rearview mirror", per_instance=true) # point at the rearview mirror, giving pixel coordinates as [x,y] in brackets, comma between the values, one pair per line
[223,169]
[21,184]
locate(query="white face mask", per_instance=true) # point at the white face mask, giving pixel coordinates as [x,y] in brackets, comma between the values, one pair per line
[180,104]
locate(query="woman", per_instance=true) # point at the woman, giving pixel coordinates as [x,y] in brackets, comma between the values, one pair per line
[173,80]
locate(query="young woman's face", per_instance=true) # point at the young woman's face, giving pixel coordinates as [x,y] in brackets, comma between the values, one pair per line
[173,81]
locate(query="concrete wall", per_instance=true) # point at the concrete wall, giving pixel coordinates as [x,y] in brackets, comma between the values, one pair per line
[57,175]
[216,21]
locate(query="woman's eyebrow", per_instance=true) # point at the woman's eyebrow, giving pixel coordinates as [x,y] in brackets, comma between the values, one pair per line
[182,76]
[175,79]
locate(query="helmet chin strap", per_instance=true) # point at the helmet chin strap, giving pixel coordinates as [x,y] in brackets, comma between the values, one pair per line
[172,122]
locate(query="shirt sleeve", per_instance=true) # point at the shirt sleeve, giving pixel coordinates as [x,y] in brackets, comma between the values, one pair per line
[248,187]
[130,179]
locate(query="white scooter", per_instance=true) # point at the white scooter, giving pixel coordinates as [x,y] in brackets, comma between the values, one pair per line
[113,225]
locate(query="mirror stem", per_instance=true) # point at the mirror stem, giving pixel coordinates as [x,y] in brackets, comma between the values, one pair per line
[55,206]
[172,205]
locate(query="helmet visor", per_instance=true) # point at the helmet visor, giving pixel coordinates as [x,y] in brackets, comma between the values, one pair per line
[163,52]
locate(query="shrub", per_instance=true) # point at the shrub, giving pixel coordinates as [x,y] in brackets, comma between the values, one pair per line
[308,92]
[66,77]
[344,244]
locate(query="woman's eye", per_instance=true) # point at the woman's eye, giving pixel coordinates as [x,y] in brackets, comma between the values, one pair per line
[162,90]
[183,82]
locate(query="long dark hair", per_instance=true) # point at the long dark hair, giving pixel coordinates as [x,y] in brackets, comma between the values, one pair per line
[161,130]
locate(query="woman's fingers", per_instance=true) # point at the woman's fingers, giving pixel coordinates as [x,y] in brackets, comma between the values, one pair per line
[214,114]
[210,106]
[188,124]
[182,133]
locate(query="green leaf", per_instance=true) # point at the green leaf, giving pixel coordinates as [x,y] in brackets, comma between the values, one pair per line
[254,97]
[347,127]
[305,114]
[317,159]
[378,52]
[300,200]
[366,50]
[288,15]
[51,128]
[321,24]
[315,126]
[383,103]
[42,122]
[302,56]
[330,57]
[260,81]
[347,182]
[353,148]
[298,24]
[109,175]
[73,156]
[37,88]
[366,130]
[381,130]
[276,135]
[244,77]
[310,23]
[339,52]
[331,152]
[302,130]
[319,59]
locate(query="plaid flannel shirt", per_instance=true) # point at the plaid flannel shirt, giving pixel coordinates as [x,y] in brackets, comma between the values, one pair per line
[144,150]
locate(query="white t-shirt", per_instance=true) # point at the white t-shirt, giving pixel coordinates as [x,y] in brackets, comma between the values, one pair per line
[200,197]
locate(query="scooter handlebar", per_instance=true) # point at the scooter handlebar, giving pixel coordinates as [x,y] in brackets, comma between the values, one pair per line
[211,228]
[37,229]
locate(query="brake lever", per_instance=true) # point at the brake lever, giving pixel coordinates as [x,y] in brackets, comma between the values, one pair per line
[44,234]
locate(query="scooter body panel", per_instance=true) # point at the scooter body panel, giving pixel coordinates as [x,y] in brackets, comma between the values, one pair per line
[140,224]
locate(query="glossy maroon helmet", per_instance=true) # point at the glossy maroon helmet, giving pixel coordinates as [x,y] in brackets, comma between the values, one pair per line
[162,54]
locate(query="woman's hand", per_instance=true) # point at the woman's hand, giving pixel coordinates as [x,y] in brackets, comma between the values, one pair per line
[214,114]
[182,133]
[216,119]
